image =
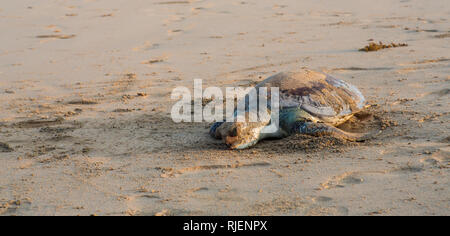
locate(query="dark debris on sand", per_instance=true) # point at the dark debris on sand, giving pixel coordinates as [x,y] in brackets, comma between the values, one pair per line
[372,47]
[4,147]
[446,140]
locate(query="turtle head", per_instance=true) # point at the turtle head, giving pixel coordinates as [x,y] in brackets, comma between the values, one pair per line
[241,135]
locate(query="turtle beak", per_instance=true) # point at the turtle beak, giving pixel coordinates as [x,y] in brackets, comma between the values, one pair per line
[233,145]
[231,142]
[232,138]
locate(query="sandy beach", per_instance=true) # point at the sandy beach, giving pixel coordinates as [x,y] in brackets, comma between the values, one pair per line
[85,98]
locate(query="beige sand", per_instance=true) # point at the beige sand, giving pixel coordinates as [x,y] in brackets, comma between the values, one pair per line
[85,99]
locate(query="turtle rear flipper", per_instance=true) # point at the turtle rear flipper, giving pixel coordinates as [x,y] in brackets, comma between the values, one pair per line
[322,129]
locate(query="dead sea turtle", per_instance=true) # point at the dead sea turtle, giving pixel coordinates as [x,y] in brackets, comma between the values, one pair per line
[310,102]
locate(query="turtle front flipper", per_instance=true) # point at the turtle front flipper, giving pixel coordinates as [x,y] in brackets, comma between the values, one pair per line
[322,129]
[213,131]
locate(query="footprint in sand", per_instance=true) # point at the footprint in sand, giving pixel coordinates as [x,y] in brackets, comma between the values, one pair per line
[327,204]
[14,207]
[350,179]
[341,181]
[439,159]
[170,172]
[322,199]
[318,206]
[138,203]
[442,92]
[146,46]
